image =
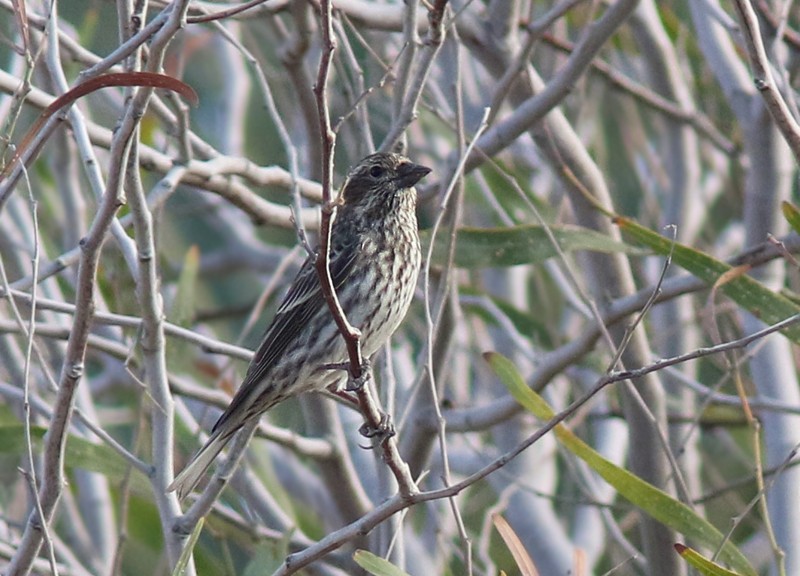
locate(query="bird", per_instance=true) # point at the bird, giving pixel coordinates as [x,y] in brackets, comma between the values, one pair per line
[375,259]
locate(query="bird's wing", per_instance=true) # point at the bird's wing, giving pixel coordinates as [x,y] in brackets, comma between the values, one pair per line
[303,300]
[300,304]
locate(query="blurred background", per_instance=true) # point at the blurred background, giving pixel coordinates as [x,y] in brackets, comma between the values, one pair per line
[611,185]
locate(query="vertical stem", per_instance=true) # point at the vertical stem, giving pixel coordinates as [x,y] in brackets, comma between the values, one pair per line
[350,333]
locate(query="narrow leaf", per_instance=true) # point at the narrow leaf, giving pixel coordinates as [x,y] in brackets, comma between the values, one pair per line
[376,565]
[80,453]
[186,553]
[503,247]
[701,563]
[268,557]
[148,79]
[652,501]
[750,294]
[515,546]
[792,215]
[183,305]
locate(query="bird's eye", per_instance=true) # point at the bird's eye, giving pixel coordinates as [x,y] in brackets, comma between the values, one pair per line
[376,171]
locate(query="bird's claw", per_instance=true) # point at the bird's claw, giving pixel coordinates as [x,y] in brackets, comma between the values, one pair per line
[355,384]
[383,431]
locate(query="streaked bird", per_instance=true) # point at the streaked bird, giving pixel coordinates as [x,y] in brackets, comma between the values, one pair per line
[374,263]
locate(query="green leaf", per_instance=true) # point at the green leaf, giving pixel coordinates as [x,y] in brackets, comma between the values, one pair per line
[514,544]
[514,201]
[792,215]
[376,565]
[529,244]
[179,352]
[183,305]
[750,294]
[80,453]
[12,438]
[527,324]
[652,501]
[268,558]
[701,563]
[186,553]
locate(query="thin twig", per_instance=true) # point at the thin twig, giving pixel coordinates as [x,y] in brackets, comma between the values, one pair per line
[74,357]
[764,79]
[28,331]
[408,110]
[398,503]
[351,334]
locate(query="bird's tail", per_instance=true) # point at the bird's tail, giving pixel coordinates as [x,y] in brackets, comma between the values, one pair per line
[190,476]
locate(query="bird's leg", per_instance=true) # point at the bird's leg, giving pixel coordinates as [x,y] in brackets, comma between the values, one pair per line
[355,384]
[350,398]
[336,366]
[384,429]
[382,432]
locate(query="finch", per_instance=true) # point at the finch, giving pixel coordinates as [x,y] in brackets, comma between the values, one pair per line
[374,264]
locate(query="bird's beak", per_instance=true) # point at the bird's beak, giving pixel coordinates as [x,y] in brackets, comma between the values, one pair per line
[409,174]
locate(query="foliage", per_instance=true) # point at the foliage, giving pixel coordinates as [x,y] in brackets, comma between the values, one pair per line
[610,222]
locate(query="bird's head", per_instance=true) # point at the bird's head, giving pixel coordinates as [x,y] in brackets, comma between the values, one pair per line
[380,178]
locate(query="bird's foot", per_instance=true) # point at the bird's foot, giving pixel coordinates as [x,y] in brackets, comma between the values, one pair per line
[383,431]
[356,383]
[335,366]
